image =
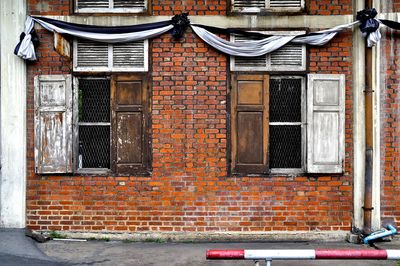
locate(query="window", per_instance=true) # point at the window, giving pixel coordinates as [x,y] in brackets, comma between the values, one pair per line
[290,57]
[256,6]
[286,123]
[112,118]
[277,126]
[111,6]
[99,125]
[103,57]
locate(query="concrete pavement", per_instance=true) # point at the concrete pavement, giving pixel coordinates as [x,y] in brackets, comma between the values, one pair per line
[17,249]
[179,254]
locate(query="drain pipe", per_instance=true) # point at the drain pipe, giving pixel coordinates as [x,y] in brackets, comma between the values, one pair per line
[368,136]
[381,234]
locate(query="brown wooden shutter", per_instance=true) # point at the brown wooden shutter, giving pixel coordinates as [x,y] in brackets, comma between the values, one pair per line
[249,125]
[53,124]
[129,124]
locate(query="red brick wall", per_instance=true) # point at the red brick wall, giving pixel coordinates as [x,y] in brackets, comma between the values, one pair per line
[189,189]
[330,7]
[390,125]
[197,7]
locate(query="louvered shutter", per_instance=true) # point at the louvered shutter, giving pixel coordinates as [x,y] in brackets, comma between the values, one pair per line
[111,6]
[95,56]
[81,4]
[325,123]
[290,57]
[271,5]
[249,124]
[53,124]
[129,116]
[129,55]
[285,4]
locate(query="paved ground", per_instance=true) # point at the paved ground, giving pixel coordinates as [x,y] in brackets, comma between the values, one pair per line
[120,253]
[16,249]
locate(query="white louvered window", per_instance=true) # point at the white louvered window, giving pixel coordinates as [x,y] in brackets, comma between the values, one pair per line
[111,6]
[290,57]
[255,6]
[122,57]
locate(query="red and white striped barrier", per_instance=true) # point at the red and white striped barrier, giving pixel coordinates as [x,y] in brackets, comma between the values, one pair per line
[303,254]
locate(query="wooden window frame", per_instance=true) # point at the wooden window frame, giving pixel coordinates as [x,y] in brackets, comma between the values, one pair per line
[145,171]
[272,171]
[111,10]
[242,169]
[110,67]
[76,125]
[303,124]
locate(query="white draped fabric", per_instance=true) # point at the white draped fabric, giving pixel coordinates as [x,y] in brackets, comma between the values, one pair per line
[107,37]
[260,47]
[27,50]
[249,48]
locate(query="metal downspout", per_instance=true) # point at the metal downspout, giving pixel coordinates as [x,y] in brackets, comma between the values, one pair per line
[368,136]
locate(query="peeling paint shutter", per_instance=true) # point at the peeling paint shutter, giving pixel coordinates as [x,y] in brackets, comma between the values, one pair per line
[325,123]
[129,115]
[249,124]
[53,124]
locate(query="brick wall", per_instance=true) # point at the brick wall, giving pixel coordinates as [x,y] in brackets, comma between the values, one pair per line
[390,126]
[189,189]
[196,7]
[330,7]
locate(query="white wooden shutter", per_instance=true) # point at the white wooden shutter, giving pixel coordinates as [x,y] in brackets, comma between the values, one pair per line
[53,124]
[325,123]
[100,57]
[290,57]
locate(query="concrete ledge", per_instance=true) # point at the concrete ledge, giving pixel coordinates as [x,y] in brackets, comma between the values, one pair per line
[328,236]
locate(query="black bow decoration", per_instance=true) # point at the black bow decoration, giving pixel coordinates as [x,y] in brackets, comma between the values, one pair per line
[180,22]
[368,22]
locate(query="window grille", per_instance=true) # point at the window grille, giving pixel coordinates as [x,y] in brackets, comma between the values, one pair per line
[290,57]
[94,123]
[110,6]
[255,6]
[286,143]
[102,57]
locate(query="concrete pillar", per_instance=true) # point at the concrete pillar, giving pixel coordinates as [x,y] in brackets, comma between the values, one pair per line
[13,116]
[358,120]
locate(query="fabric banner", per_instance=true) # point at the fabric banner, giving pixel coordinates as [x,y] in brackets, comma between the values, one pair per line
[264,43]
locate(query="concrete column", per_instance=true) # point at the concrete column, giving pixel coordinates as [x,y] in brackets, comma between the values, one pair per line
[376,168]
[13,116]
[358,120]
